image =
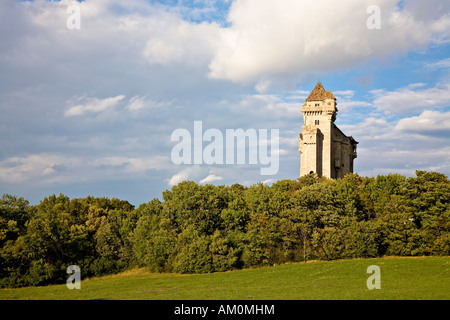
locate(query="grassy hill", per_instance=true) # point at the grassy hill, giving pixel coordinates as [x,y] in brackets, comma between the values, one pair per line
[401,278]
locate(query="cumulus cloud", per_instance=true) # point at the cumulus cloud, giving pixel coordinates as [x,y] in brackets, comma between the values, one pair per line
[270,37]
[173,40]
[403,146]
[262,38]
[382,133]
[144,68]
[427,122]
[374,161]
[412,98]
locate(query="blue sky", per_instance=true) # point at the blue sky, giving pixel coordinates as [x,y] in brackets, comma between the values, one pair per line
[90,111]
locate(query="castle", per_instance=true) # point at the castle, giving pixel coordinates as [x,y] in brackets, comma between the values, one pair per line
[324,148]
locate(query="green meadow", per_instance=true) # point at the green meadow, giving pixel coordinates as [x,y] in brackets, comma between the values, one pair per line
[420,278]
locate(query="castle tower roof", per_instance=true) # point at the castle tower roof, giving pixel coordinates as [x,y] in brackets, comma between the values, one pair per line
[319,93]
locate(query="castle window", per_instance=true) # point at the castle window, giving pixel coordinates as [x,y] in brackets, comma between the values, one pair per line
[316,122]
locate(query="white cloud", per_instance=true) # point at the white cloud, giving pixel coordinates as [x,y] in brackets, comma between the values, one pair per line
[263,86]
[264,37]
[298,95]
[210,178]
[33,167]
[266,105]
[370,127]
[172,40]
[163,52]
[412,99]
[46,168]
[136,103]
[134,165]
[437,65]
[192,173]
[268,181]
[427,122]
[139,103]
[395,159]
[403,146]
[177,178]
[94,105]
[346,105]
[347,94]
[270,37]
[153,57]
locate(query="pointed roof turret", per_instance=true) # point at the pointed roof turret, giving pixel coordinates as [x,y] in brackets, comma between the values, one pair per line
[319,93]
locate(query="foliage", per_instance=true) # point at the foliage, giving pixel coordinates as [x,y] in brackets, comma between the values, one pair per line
[59,232]
[206,228]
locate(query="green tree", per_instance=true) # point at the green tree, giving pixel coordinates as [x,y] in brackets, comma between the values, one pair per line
[14,213]
[154,242]
[225,253]
[194,255]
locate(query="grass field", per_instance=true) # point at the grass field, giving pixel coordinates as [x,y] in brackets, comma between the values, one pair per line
[401,278]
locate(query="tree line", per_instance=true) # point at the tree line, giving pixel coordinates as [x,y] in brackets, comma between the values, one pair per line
[205,228]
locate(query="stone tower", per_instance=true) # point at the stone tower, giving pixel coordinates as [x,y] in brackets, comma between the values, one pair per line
[324,148]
